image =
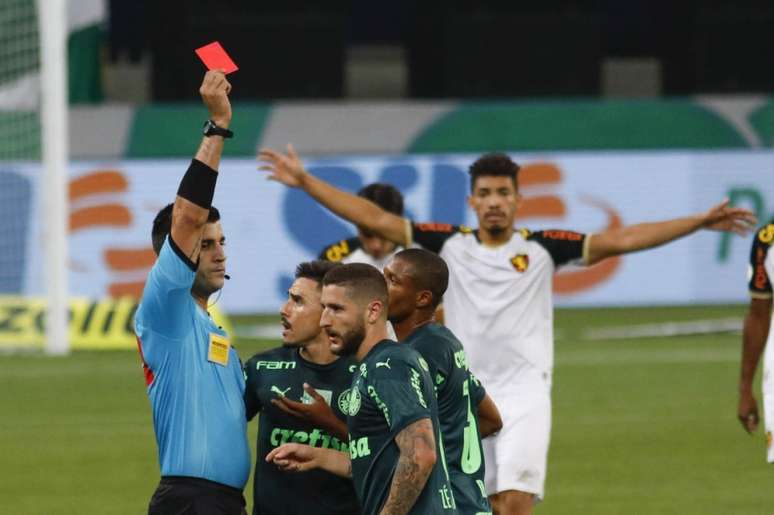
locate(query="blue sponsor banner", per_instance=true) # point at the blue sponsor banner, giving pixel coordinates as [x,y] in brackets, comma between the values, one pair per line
[271,228]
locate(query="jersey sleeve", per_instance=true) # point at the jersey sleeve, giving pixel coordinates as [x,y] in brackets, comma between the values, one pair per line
[477,391]
[336,252]
[398,389]
[252,402]
[166,299]
[563,246]
[431,235]
[760,282]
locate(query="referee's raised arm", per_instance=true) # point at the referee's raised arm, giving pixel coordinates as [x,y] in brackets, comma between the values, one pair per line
[194,196]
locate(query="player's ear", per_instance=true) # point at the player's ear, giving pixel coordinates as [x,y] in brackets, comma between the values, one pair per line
[374,311]
[519,200]
[424,298]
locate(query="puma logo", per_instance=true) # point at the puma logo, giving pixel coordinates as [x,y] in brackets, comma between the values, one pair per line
[279,392]
[384,364]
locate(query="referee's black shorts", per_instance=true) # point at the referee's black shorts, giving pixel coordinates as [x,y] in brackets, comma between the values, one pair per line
[177,495]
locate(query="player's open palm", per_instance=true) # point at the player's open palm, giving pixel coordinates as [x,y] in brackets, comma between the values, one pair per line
[284,168]
[316,412]
[730,219]
[293,457]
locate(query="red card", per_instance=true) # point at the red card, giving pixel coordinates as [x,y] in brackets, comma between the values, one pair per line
[213,56]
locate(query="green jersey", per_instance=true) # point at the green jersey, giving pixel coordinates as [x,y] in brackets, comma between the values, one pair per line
[283,372]
[392,389]
[459,393]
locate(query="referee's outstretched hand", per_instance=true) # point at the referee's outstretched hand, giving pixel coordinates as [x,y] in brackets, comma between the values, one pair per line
[214,92]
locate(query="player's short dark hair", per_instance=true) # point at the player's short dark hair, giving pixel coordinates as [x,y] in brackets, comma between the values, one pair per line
[385,196]
[363,282]
[162,224]
[315,270]
[494,164]
[428,272]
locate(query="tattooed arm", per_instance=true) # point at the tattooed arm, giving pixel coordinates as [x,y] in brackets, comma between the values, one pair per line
[416,461]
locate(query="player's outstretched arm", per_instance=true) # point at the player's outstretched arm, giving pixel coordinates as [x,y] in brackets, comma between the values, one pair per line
[296,457]
[648,235]
[489,420]
[756,331]
[417,459]
[194,197]
[289,170]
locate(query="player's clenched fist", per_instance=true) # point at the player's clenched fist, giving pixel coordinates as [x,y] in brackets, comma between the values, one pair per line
[214,92]
[748,412]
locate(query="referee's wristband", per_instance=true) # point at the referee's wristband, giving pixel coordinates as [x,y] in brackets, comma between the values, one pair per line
[198,184]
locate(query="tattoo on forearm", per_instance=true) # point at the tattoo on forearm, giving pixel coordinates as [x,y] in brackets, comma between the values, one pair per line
[410,475]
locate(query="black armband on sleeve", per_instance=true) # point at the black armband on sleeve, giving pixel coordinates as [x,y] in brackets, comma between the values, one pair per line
[198,184]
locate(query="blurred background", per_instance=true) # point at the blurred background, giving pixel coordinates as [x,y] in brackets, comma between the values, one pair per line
[618,112]
[350,49]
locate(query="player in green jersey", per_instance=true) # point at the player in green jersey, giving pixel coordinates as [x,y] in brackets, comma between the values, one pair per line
[304,361]
[416,281]
[395,458]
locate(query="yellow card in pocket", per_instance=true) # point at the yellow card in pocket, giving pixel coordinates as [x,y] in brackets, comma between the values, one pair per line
[218,351]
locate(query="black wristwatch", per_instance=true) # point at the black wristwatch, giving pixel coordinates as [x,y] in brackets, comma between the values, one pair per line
[210,129]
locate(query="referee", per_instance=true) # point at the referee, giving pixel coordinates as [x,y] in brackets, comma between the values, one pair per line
[193,375]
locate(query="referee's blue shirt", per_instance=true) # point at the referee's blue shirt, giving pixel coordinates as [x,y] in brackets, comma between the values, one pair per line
[194,379]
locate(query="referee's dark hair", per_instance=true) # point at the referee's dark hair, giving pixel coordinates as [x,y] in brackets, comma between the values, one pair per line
[363,282]
[385,196]
[428,272]
[494,164]
[315,270]
[162,224]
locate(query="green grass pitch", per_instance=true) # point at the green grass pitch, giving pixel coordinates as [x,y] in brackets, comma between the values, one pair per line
[640,426]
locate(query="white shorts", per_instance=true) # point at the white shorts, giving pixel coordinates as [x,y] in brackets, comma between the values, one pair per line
[516,456]
[768,399]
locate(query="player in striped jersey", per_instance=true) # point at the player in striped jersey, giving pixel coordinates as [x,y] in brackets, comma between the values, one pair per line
[757,332]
